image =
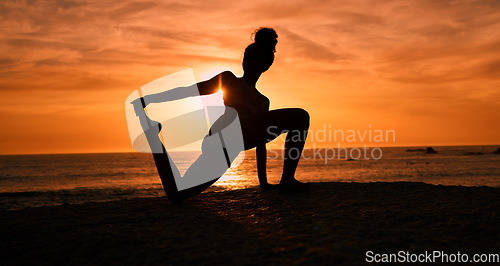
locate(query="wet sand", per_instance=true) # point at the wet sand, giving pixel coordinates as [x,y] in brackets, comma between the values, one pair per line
[334,223]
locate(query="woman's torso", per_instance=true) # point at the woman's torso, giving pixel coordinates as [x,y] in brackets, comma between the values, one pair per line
[246,100]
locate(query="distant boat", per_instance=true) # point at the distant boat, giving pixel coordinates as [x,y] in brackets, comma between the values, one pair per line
[497,151]
[430,150]
[413,150]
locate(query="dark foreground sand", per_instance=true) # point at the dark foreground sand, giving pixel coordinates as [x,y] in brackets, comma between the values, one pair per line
[334,223]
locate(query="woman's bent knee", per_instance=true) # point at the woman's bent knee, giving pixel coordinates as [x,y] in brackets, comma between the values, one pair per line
[302,117]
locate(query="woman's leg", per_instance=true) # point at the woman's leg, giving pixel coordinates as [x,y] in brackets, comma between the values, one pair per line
[164,164]
[265,127]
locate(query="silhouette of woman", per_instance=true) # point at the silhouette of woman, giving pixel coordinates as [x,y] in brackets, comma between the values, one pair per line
[259,125]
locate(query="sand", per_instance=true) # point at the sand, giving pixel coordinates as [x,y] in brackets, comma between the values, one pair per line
[334,223]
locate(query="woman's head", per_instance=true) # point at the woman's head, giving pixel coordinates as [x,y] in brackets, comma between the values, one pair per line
[259,56]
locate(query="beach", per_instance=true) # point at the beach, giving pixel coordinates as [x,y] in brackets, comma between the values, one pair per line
[333,223]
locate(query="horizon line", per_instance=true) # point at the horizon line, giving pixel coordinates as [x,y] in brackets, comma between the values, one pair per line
[305,148]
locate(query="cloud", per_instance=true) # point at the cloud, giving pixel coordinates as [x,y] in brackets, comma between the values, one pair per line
[410,42]
[308,48]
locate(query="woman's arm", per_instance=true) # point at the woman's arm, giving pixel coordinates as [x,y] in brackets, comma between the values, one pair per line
[214,84]
[203,88]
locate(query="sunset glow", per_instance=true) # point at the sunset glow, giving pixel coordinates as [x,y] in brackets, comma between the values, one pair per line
[428,70]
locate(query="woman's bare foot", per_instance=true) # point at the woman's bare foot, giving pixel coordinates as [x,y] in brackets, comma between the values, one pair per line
[293,185]
[139,106]
[149,124]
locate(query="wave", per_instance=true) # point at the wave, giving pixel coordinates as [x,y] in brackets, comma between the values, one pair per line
[25,199]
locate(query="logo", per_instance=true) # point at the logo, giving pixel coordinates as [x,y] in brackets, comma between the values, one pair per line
[197,133]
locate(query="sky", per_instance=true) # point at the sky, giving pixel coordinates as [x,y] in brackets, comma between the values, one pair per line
[427,70]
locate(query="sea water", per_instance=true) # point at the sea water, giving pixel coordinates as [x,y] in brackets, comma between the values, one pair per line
[38,180]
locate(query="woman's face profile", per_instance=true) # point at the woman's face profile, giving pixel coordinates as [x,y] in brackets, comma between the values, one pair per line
[259,63]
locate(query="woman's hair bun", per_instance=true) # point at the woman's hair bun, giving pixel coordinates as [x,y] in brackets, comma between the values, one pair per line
[267,38]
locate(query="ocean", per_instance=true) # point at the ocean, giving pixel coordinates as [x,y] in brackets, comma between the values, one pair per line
[54,179]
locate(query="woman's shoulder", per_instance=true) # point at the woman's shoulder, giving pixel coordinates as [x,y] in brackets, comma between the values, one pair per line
[229,80]
[228,75]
